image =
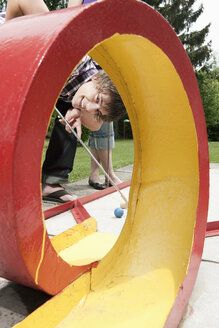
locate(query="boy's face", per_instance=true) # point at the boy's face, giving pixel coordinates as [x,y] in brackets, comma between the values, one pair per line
[89,99]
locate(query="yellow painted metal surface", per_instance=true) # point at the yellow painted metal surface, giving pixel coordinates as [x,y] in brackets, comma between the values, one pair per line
[42,253]
[138,280]
[164,189]
[131,303]
[74,234]
[52,312]
[90,249]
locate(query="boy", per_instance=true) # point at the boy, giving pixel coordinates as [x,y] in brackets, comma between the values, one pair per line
[94,100]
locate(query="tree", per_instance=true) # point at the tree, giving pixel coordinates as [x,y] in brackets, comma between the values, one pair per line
[3,4]
[181,15]
[55,4]
[209,89]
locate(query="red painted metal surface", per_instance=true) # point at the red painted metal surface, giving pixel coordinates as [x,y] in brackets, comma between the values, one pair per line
[104,192]
[56,210]
[31,50]
[79,212]
[37,55]
[212,229]
[83,200]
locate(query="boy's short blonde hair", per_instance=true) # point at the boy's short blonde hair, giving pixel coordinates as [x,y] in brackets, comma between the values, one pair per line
[115,109]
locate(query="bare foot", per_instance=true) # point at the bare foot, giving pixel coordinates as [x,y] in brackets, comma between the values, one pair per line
[48,189]
[95,178]
[115,179]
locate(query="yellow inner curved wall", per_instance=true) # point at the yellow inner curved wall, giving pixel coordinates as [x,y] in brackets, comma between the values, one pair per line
[153,250]
[137,282]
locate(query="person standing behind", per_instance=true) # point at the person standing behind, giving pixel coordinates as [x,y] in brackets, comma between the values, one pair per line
[101,143]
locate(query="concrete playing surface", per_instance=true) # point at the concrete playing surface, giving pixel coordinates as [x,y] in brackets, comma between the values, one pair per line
[202,311]
[17,301]
[102,210]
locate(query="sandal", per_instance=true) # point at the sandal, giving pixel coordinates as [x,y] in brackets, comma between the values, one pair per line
[56,196]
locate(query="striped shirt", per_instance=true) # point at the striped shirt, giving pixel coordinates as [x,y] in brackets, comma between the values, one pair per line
[86,69]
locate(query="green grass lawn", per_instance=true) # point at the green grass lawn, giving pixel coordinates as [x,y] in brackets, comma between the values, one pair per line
[123,154]
[214,151]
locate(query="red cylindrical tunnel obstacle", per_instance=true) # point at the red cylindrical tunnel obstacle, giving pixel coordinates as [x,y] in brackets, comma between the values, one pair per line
[37,55]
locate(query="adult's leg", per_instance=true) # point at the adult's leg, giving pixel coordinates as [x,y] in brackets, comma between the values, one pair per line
[61,151]
[94,168]
[94,179]
[106,160]
[59,157]
[16,8]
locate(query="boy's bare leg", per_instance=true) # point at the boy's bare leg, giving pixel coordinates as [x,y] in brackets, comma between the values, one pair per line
[73,3]
[16,8]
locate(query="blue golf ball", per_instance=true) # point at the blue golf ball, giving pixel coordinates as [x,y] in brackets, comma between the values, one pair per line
[118,212]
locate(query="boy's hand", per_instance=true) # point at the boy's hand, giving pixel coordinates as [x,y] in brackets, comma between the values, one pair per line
[73,117]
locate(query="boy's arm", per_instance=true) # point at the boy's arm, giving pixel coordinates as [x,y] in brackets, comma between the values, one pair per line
[76,118]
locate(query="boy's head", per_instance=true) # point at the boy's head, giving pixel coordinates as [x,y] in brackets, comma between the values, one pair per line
[100,97]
